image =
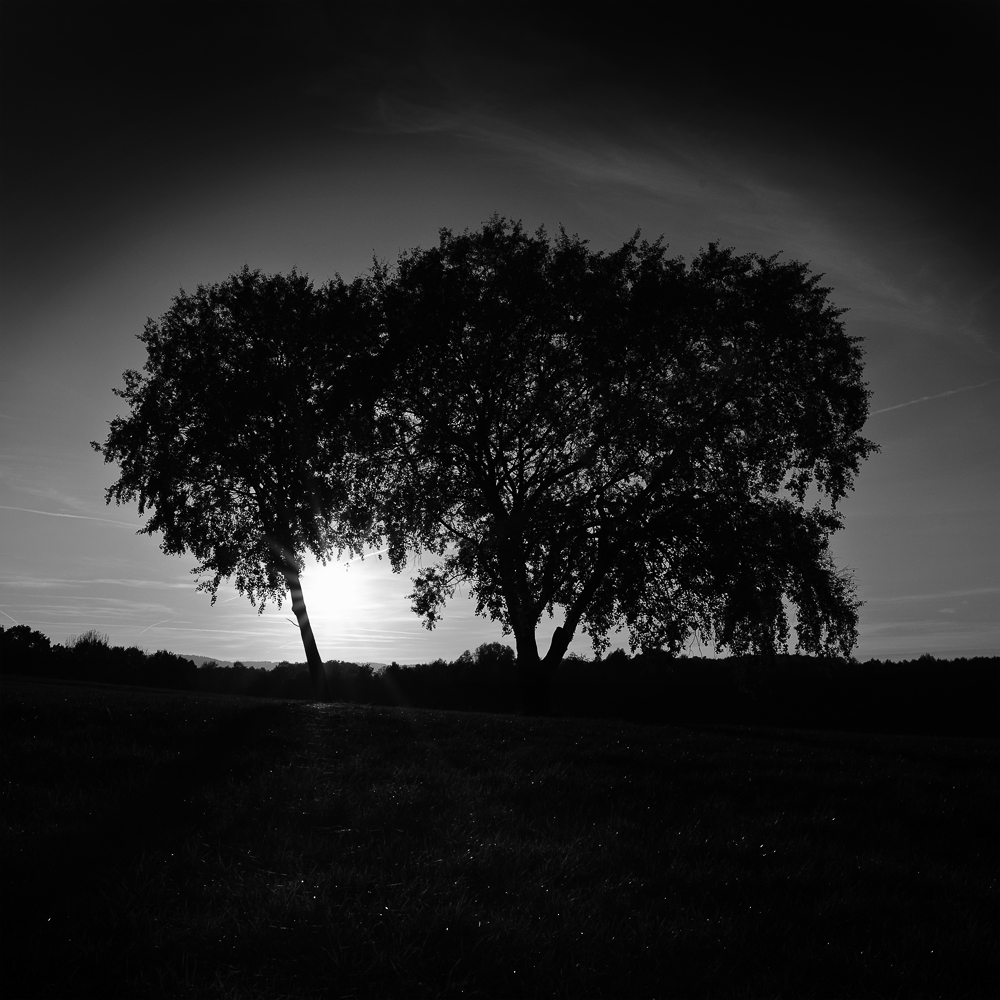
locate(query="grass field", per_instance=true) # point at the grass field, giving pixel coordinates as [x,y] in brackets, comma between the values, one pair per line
[167,844]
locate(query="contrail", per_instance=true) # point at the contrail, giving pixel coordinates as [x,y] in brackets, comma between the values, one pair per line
[14,620]
[82,517]
[164,622]
[923,399]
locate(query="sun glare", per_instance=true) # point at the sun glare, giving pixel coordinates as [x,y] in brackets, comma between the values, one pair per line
[359,610]
[333,592]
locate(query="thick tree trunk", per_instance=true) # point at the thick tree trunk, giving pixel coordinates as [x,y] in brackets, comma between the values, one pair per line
[535,674]
[534,684]
[316,669]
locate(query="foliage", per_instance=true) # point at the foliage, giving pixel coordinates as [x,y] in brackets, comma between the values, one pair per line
[230,439]
[624,436]
[495,656]
[621,435]
[90,643]
[926,696]
[90,657]
[20,640]
[639,442]
[237,441]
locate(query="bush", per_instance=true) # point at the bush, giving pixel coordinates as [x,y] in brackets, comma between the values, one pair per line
[90,642]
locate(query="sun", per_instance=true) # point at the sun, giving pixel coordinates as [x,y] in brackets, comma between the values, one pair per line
[331,592]
[359,609]
[350,594]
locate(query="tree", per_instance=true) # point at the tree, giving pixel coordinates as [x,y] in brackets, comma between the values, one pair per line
[23,640]
[93,642]
[624,436]
[22,648]
[494,655]
[239,438]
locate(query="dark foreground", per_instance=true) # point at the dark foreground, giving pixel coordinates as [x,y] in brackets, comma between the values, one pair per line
[168,844]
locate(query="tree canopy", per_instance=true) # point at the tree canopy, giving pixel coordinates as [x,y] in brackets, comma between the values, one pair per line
[638,441]
[242,437]
[635,440]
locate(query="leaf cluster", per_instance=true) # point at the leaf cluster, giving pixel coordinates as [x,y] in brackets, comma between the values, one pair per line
[243,435]
[625,436]
[641,441]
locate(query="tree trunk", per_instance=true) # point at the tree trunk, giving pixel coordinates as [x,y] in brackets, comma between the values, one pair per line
[536,698]
[535,674]
[316,670]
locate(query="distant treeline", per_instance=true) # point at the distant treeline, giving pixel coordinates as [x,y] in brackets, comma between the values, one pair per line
[927,696]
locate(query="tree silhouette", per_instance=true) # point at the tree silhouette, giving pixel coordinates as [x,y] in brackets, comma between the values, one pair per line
[22,648]
[624,436]
[243,430]
[90,643]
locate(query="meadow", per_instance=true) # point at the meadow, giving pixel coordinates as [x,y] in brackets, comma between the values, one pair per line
[184,844]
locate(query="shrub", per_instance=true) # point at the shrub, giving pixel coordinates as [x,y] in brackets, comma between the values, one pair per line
[90,642]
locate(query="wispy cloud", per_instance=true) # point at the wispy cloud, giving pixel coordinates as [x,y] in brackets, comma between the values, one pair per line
[248,633]
[48,583]
[92,605]
[363,633]
[938,596]
[395,116]
[693,180]
[57,496]
[938,395]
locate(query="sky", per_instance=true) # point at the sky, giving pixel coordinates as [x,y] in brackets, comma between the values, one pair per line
[148,148]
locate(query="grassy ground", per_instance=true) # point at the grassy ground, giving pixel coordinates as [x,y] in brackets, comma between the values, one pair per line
[162,844]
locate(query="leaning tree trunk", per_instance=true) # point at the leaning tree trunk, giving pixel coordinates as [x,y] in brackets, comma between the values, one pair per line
[316,670]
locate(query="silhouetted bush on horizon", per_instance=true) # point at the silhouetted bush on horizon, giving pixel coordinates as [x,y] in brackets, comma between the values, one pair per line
[90,657]
[924,696]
